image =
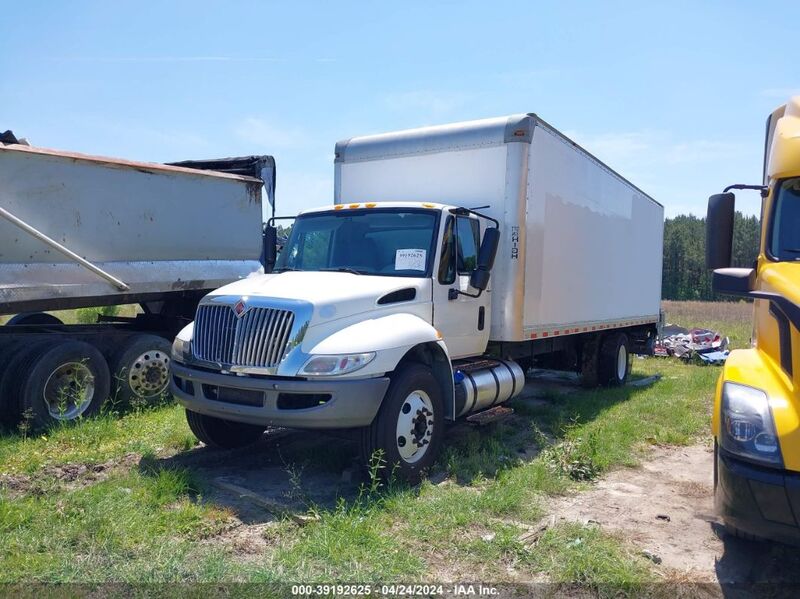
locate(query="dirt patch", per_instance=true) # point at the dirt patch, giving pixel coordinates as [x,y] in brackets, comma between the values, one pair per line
[665,509]
[64,476]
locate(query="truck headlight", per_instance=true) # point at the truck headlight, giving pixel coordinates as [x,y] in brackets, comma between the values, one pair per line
[182,346]
[748,429]
[336,364]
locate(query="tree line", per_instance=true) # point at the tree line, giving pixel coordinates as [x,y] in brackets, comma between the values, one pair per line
[684,274]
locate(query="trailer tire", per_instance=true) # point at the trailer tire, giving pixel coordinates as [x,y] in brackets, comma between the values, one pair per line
[14,361]
[141,370]
[222,434]
[614,363]
[33,318]
[411,415]
[64,382]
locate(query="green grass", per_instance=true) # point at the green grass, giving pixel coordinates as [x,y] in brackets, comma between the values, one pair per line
[147,522]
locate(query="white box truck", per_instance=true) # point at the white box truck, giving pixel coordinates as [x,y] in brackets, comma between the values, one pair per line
[79,231]
[380,314]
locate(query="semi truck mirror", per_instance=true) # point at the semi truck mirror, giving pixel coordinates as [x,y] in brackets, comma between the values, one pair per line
[719,230]
[486,255]
[269,252]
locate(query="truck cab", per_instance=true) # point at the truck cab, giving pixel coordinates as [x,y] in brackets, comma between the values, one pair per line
[358,291]
[756,417]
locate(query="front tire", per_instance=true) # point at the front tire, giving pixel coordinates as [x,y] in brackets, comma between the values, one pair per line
[222,434]
[407,432]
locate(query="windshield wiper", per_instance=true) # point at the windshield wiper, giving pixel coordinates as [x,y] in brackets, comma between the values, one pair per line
[793,250]
[286,268]
[343,269]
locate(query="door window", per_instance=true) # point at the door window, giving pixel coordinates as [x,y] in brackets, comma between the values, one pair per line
[468,233]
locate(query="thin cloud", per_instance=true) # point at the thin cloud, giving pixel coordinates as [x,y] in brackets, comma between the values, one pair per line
[268,134]
[162,59]
[782,93]
[430,102]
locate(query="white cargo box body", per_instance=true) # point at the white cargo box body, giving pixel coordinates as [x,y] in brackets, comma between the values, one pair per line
[581,246]
[157,228]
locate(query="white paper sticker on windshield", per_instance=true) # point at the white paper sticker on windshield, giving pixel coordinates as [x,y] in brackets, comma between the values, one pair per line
[409,260]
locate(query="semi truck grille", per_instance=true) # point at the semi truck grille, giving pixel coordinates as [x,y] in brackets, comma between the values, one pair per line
[257,338]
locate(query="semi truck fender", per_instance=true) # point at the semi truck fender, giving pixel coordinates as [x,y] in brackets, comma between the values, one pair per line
[395,339]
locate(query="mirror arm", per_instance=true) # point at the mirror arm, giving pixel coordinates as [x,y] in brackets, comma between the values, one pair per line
[453,293]
[762,189]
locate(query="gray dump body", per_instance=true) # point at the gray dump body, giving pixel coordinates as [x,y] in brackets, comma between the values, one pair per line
[123,231]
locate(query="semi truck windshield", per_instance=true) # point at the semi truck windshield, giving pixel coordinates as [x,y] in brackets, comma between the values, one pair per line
[386,242]
[785,242]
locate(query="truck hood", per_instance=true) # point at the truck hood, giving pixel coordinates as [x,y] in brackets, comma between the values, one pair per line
[333,294]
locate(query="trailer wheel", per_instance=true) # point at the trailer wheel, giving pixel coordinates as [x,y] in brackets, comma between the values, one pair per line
[64,382]
[408,430]
[33,318]
[222,434]
[141,369]
[615,360]
[14,363]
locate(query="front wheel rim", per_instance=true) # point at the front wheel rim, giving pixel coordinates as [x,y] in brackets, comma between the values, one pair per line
[622,362]
[415,424]
[69,391]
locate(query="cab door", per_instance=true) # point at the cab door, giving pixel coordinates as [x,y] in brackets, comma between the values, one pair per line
[462,320]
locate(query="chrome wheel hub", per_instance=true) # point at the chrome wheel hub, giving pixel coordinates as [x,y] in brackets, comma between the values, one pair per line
[149,374]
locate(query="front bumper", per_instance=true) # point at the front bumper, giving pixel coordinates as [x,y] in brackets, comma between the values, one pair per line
[758,501]
[272,401]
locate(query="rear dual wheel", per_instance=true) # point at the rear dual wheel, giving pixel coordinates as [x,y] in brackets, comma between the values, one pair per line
[47,383]
[606,361]
[141,369]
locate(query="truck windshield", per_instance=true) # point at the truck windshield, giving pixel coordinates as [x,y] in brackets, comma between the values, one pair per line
[373,241]
[785,241]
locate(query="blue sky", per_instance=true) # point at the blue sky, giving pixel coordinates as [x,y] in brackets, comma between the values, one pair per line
[671,94]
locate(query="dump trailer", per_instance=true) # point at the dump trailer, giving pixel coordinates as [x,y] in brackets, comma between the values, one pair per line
[379,314]
[757,399]
[79,231]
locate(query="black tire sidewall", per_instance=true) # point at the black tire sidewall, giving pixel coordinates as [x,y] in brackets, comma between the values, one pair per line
[121,362]
[45,363]
[410,378]
[222,434]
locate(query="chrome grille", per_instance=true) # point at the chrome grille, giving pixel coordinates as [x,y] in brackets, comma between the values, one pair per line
[258,338]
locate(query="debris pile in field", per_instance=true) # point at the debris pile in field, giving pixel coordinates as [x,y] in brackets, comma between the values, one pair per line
[702,345]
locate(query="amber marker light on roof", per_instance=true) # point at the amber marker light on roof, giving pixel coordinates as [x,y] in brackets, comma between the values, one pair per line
[354,205]
[338,207]
[428,205]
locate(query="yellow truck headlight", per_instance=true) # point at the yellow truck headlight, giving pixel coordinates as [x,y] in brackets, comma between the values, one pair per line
[336,364]
[748,429]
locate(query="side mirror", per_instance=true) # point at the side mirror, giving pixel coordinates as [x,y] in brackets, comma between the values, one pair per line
[734,281]
[719,230]
[269,249]
[486,255]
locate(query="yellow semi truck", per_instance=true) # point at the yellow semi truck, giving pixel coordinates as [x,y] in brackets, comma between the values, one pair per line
[756,418]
